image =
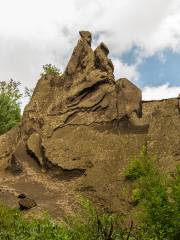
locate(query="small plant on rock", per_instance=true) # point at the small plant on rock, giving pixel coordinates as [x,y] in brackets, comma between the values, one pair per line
[51,69]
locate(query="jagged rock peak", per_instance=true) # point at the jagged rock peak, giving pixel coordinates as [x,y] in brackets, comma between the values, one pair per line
[86,66]
[102,61]
[104,48]
[85,95]
[86,35]
[82,57]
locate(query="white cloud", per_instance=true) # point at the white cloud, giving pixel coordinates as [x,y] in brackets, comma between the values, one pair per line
[123,70]
[35,32]
[160,92]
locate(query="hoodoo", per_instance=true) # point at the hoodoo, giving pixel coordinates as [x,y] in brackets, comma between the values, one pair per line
[80,129]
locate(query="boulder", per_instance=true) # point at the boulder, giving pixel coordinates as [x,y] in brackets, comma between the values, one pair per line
[26,203]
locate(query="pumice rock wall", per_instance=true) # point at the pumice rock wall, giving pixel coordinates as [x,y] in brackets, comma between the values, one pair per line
[82,128]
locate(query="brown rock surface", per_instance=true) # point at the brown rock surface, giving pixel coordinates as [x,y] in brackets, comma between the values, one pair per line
[34,147]
[83,127]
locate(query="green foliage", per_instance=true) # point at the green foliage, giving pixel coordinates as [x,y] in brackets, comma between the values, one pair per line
[11,89]
[10,113]
[159,198]
[134,170]
[160,206]
[139,166]
[14,227]
[96,226]
[51,69]
[87,226]
[136,196]
[175,187]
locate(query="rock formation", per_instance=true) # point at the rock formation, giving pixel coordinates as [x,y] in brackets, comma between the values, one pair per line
[83,126]
[86,94]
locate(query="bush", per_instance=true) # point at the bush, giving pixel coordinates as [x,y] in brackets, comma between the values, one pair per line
[10,113]
[51,69]
[160,207]
[95,226]
[134,170]
[159,198]
[136,196]
[139,166]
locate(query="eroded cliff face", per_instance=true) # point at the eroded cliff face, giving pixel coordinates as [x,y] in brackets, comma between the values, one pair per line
[81,128]
[86,93]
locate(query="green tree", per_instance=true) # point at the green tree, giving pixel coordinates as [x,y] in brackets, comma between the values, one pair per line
[10,112]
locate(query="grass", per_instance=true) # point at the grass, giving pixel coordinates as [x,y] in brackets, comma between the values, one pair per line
[92,226]
[14,226]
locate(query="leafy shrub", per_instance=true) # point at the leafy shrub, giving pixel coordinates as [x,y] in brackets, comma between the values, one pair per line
[51,69]
[10,113]
[160,206]
[139,166]
[134,170]
[159,198]
[136,196]
[96,226]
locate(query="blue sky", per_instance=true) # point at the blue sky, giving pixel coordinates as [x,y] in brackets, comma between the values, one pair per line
[143,37]
[163,67]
